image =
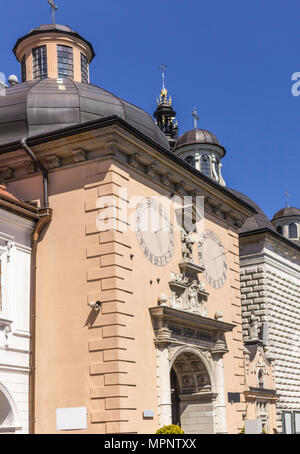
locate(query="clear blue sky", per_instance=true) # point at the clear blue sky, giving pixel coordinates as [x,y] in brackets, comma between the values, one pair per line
[232,59]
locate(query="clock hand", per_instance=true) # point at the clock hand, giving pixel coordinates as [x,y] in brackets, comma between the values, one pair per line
[162,229]
[159,242]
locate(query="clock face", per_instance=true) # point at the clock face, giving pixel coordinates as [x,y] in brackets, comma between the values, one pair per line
[154,232]
[212,256]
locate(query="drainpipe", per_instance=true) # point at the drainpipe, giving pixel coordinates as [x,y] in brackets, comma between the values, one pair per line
[42,168]
[45,217]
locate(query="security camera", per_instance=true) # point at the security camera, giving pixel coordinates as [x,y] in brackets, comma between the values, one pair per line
[95,305]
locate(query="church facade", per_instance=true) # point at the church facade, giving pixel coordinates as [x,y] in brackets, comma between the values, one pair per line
[138,318]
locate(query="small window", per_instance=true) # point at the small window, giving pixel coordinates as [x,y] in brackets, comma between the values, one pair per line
[260,379]
[84,69]
[190,160]
[279,229]
[23,68]
[205,165]
[65,62]
[39,63]
[293,233]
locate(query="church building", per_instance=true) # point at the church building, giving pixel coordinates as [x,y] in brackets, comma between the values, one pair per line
[137,315]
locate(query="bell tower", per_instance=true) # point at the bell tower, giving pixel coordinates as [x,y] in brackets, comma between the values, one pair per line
[165,114]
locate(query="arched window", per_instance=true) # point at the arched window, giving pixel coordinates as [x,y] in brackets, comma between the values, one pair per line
[260,379]
[205,165]
[190,160]
[6,413]
[279,229]
[84,69]
[293,233]
[39,62]
[65,64]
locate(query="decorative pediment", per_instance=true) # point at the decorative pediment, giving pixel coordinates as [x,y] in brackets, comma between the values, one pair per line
[176,327]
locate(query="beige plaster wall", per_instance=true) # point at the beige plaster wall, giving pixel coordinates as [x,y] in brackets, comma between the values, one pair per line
[107,361]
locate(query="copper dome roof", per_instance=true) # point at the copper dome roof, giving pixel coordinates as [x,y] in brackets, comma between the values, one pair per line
[37,107]
[197,136]
[286,212]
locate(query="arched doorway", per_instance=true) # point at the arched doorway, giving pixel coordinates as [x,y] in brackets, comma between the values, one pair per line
[7,412]
[192,397]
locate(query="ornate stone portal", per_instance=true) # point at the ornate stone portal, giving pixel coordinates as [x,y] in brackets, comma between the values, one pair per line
[200,375]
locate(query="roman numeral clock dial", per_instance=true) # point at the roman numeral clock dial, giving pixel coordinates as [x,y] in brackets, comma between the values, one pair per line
[212,256]
[154,232]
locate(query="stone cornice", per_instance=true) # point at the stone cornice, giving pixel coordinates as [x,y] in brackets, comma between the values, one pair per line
[189,319]
[263,233]
[115,138]
[265,394]
[271,246]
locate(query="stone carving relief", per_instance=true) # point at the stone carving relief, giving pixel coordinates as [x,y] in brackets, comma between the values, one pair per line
[188,294]
[187,242]
[5,331]
[187,291]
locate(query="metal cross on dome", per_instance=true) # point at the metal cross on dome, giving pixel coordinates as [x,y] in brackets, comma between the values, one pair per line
[196,117]
[287,196]
[163,68]
[54,8]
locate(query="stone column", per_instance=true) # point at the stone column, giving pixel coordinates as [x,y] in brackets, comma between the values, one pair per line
[220,390]
[165,403]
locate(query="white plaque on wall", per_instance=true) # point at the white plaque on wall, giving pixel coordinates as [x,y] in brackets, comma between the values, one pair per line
[253,426]
[71,418]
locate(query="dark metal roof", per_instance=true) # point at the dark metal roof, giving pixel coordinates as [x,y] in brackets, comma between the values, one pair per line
[259,221]
[14,145]
[38,107]
[286,212]
[197,136]
[53,28]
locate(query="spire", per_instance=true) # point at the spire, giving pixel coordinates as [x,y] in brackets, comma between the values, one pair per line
[54,8]
[162,68]
[196,118]
[287,197]
[165,114]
